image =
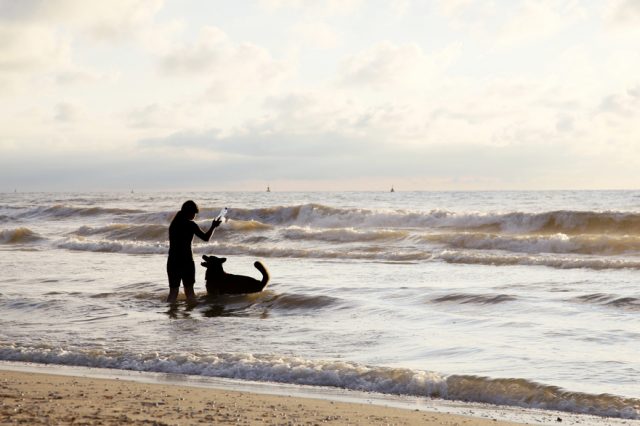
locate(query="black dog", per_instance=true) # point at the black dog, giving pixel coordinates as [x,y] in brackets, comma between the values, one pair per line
[219,282]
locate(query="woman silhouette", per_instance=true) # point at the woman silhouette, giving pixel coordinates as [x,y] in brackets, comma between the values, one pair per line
[180,265]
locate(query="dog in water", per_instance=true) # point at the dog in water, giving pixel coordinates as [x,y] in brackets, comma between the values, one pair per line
[219,282]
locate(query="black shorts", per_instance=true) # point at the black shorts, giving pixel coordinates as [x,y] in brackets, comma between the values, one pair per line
[184,270]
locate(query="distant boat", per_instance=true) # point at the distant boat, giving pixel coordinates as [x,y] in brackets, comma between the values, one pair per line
[392,190]
[268,189]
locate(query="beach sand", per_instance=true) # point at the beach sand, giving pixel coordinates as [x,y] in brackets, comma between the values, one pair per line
[37,398]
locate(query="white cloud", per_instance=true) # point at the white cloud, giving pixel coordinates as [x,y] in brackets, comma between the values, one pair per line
[233,70]
[622,105]
[211,50]
[512,23]
[496,85]
[387,65]
[67,112]
[625,13]
[315,34]
[24,48]
[113,20]
[537,20]
[322,8]
[400,8]
[39,38]
[151,116]
[468,15]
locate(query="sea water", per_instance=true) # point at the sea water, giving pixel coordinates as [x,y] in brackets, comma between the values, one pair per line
[529,299]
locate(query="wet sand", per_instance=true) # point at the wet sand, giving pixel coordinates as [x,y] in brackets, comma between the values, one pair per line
[37,398]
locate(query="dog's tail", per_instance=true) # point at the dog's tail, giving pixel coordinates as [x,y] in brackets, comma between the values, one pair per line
[265,274]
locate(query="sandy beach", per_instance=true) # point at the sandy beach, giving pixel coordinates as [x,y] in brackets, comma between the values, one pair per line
[36,398]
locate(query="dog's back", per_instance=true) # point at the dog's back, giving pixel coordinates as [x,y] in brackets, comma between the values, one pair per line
[219,282]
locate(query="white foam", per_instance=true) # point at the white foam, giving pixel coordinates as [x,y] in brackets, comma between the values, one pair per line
[561,262]
[105,246]
[516,222]
[538,243]
[340,374]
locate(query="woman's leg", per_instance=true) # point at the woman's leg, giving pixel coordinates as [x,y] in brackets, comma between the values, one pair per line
[173,294]
[188,281]
[173,274]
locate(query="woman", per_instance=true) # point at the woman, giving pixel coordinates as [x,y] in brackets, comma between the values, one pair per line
[180,265]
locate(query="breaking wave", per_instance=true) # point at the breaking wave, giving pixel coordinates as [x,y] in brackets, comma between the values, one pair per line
[569,222]
[540,243]
[560,262]
[63,211]
[18,236]
[339,374]
[379,253]
[147,232]
[342,235]
[557,239]
[562,221]
[105,246]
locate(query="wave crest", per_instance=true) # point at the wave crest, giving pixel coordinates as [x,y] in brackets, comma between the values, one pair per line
[560,262]
[539,243]
[117,231]
[553,222]
[64,211]
[480,299]
[18,236]
[611,300]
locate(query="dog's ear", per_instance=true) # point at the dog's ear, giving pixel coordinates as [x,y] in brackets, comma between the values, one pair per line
[205,257]
[204,264]
[223,259]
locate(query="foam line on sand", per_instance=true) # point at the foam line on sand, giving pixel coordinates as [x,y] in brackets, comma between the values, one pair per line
[38,394]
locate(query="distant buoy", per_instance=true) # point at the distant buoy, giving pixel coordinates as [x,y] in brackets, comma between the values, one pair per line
[268,189]
[392,190]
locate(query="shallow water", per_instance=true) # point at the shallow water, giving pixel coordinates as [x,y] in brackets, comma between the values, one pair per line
[520,298]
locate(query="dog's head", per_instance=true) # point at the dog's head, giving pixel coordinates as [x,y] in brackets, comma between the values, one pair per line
[213,263]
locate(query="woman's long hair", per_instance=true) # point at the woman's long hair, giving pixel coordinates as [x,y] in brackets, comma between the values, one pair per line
[188,207]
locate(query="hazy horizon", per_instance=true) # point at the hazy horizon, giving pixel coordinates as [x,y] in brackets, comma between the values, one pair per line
[347,95]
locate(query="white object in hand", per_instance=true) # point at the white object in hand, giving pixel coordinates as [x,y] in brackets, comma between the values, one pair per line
[222,215]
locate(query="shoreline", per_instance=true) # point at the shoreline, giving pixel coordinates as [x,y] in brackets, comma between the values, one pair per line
[46,393]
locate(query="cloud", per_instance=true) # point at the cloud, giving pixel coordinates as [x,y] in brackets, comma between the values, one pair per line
[389,65]
[110,21]
[72,74]
[211,50]
[399,8]
[624,105]
[27,48]
[159,117]
[623,13]
[539,20]
[322,8]
[39,38]
[234,70]
[256,156]
[66,112]
[316,34]
[513,23]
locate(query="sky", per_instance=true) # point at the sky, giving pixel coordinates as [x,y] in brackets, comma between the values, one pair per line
[323,95]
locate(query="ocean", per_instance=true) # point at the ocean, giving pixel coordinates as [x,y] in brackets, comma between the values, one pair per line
[528,299]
